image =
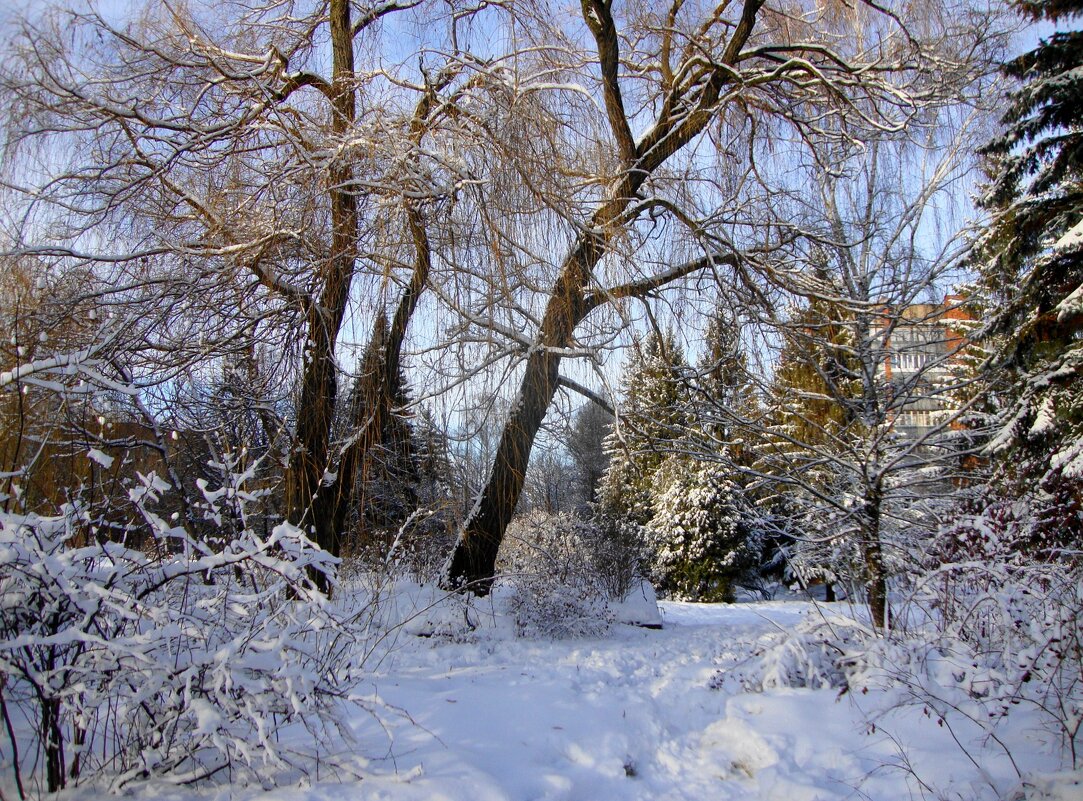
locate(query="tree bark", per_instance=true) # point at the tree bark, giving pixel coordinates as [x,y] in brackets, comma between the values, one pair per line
[53,740]
[872,551]
[315,411]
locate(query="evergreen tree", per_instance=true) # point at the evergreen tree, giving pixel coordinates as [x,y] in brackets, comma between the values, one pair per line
[808,420]
[387,476]
[587,446]
[699,541]
[668,478]
[725,397]
[433,460]
[654,414]
[427,539]
[813,381]
[1031,262]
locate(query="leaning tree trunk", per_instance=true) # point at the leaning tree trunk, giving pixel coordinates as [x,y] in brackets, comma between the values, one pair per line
[472,563]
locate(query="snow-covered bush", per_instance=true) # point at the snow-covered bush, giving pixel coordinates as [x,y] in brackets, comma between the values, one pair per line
[822,652]
[990,639]
[177,662]
[1012,615]
[698,538]
[615,552]
[555,589]
[545,610]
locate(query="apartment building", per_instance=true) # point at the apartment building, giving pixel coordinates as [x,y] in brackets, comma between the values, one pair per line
[922,345]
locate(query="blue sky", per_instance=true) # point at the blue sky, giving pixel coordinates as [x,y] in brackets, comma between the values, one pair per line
[12,9]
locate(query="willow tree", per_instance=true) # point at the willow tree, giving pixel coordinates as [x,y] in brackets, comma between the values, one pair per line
[228,176]
[693,97]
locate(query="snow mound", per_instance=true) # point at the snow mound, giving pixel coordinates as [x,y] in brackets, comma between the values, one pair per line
[639,608]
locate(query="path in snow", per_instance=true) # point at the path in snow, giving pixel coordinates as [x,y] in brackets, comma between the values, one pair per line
[629,717]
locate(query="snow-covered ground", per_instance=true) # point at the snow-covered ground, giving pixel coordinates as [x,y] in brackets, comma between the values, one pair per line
[638,714]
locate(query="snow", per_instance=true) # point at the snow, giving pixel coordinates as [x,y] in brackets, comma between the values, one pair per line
[1071,305]
[639,608]
[469,712]
[104,459]
[1071,239]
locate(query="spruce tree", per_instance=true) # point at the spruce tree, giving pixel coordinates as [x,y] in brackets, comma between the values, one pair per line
[725,397]
[668,480]
[587,446]
[1031,263]
[699,539]
[386,475]
[654,414]
[813,389]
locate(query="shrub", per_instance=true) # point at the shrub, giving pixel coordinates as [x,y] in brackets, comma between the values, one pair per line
[178,662]
[555,589]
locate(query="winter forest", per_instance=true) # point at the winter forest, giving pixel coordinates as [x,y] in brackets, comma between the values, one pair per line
[524,399]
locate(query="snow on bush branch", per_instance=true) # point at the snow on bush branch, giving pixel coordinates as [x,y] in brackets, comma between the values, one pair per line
[174,662]
[991,639]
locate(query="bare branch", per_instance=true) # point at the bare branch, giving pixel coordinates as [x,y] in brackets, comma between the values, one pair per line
[587,393]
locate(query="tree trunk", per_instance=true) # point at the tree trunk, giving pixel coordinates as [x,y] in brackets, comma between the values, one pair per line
[315,410]
[331,501]
[872,551]
[473,561]
[52,737]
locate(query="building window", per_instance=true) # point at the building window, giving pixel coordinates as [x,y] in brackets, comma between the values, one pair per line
[914,348]
[917,418]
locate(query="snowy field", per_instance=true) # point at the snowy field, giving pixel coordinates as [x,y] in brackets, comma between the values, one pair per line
[483,715]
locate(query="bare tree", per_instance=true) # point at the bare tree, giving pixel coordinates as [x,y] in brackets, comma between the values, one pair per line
[231,176]
[864,435]
[688,91]
[274,172]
